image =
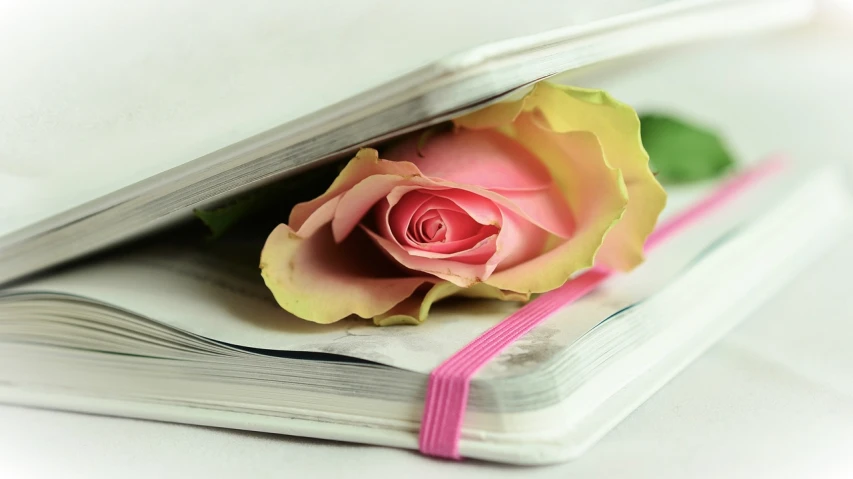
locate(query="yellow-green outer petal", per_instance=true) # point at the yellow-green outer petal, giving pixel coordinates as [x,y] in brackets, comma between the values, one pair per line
[366,163]
[595,192]
[415,309]
[617,127]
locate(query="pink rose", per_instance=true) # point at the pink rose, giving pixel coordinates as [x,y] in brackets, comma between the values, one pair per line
[503,206]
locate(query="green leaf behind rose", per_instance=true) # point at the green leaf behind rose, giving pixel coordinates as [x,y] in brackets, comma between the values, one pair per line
[265,207]
[220,220]
[681,152]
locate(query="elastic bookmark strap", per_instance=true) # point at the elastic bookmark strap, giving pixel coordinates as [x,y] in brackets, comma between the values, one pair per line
[449,383]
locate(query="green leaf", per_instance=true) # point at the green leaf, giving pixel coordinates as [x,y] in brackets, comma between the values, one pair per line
[681,152]
[268,205]
[221,219]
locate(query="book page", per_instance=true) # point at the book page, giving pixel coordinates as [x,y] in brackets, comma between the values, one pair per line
[98,95]
[216,291]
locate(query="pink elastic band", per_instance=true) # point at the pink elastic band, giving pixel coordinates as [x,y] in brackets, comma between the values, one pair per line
[449,383]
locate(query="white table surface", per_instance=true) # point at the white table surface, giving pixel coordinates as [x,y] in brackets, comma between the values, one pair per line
[773,399]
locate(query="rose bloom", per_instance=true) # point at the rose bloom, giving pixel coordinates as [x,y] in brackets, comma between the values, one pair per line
[516,199]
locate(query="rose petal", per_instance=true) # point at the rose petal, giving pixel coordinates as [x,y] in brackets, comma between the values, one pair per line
[316,279]
[476,250]
[543,204]
[596,194]
[476,244]
[457,272]
[395,223]
[467,199]
[365,164]
[415,309]
[477,207]
[460,226]
[430,227]
[393,188]
[493,117]
[481,205]
[360,199]
[400,217]
[519,240]
[618,129]
[547,208]
[467,250]
[484,158]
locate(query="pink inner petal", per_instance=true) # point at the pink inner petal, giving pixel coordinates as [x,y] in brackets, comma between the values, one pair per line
[482,242]
[434,203]
[408,226]
[438,221]
[460,273]
[485,158]
[460,226]
[398,215]
[420,217]
[475,251]
[480,209]
[431,228]
[519,240]
[358,201]
[546,207]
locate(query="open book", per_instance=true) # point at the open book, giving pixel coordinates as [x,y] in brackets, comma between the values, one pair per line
[174,328]
[177,331]
[231,103]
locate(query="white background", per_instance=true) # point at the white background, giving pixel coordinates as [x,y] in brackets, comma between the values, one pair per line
[773,399]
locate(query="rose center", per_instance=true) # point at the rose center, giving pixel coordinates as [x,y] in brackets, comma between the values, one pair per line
[429,223]
[432,228]
[429,228]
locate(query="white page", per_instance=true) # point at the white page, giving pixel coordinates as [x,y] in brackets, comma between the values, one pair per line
[96,95]
[217,298]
